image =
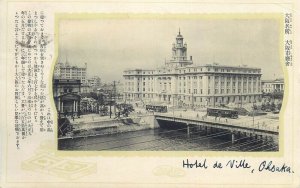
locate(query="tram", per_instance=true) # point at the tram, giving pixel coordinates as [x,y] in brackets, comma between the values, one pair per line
[157,108]
[222,112]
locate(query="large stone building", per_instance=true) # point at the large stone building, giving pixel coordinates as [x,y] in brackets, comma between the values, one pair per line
[180,82]
[67,71]
[72,72]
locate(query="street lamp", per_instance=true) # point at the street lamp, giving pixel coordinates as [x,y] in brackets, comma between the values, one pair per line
[253,113]
[192,100]
[173,108]
[110,101]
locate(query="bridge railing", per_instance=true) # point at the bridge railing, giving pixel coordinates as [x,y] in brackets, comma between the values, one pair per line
[261,124]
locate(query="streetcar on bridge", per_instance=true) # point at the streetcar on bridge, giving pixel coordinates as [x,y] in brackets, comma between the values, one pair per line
[157,108]
[223,112]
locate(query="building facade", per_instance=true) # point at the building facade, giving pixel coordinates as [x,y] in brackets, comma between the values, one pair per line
[66,71]
[270,86]
[94,82]
[182,83]
[71,72]
[66,93]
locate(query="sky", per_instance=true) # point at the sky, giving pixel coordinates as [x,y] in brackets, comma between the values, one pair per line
[109,46]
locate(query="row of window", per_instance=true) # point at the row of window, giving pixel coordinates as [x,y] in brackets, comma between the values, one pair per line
[217,78]
[188,70]
[197,99]
[196,91]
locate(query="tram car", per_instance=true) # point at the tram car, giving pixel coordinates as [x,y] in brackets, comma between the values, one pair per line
[222,112]
[157,108]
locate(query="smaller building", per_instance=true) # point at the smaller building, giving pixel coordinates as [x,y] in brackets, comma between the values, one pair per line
[91,85]
[94,82]
[66,93]
[271,86]
[85,88]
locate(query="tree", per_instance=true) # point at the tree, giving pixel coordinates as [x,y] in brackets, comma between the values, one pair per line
[254,107]
[94,95]
[279,106]
[273,107]
[101,99]
[268,105]
[277,95]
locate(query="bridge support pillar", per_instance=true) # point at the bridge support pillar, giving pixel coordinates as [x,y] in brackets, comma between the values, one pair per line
[261,139]
[251,136]
[232,137]
[266,139]
[188,130]
[271,138]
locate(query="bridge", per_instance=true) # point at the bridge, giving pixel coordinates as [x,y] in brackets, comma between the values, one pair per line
[235,127]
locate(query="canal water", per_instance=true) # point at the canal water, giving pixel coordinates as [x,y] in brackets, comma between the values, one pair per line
[165,139]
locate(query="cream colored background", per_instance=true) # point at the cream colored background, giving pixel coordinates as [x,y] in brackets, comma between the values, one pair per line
[137,170]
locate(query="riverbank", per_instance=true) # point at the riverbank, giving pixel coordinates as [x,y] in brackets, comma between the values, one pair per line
[107,127]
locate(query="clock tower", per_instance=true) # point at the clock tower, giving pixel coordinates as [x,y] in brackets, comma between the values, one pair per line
[179,53]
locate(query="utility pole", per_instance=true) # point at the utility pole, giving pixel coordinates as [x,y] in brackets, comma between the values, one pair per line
[253,114]
[192,100]
[110,101]
[173,108]
[114,96]
[241,101]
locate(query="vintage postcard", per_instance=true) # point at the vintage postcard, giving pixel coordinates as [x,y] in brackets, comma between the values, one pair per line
[149,94]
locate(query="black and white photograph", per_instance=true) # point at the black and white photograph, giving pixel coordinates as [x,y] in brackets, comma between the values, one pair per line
[169,84]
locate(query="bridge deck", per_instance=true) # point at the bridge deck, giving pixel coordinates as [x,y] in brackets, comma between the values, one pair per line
[229,124]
